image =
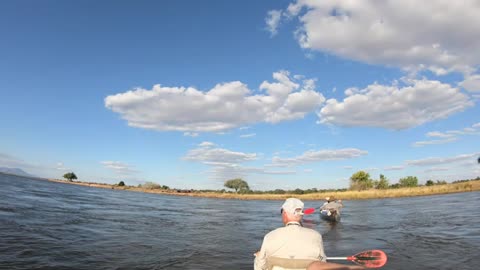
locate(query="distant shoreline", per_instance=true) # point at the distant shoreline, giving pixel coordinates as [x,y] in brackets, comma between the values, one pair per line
[468,186]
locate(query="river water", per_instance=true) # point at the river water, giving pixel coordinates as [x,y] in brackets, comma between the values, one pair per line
[45,225]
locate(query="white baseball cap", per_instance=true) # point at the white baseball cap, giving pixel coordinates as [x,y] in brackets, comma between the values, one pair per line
[293,206]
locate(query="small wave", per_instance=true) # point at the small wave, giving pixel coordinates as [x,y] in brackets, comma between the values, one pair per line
[7,209]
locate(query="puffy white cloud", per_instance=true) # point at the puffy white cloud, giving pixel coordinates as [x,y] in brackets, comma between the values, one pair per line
[273,20]
[317,156]
[119,167]
[471,83]
[395,107]
[226,106]
[439,35]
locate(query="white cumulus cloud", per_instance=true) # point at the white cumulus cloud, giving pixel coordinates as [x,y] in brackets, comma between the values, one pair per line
[395,107]
[439,35]
[226,106]
[472,83]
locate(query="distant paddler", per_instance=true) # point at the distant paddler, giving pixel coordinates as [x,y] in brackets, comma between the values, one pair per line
[330,210]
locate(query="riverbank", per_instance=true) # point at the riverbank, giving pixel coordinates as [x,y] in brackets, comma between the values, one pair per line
[467,186]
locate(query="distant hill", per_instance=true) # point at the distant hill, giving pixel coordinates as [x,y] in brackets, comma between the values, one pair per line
[15,171]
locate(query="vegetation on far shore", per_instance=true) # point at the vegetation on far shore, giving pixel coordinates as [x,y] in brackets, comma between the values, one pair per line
[362,186]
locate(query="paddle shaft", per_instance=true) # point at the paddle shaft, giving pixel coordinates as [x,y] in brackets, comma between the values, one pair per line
[337,258]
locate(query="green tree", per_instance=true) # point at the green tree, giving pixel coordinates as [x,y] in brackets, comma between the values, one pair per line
[360,181]
[382,183]
[409,181]
[237,184]
[397,185]
[298,191]
[151,185]
[121,184]
[70,176]
[429,183]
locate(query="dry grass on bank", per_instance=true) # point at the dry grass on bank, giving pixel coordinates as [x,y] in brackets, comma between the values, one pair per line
[469,186]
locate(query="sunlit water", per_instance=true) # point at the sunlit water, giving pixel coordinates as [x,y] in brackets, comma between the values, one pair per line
[46,225]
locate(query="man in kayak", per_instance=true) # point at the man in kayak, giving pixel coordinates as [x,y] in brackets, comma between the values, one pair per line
[291,243]
[293,246]
[330,204]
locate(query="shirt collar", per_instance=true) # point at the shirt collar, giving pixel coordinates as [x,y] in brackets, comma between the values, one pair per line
[293,223]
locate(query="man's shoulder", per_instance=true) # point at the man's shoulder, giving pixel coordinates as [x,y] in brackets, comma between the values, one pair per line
[311,231]
[283,230]
[275,232]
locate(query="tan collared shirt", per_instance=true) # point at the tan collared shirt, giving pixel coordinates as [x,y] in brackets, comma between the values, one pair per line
[291,242]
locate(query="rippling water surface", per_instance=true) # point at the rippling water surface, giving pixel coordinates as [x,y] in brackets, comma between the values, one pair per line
[46,225]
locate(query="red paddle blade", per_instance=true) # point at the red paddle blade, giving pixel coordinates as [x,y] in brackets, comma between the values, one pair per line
[308,211]
[370,258]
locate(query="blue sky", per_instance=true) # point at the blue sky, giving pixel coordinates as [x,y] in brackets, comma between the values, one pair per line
[283,94]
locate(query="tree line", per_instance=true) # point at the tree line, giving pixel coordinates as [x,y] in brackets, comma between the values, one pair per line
[360,180]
